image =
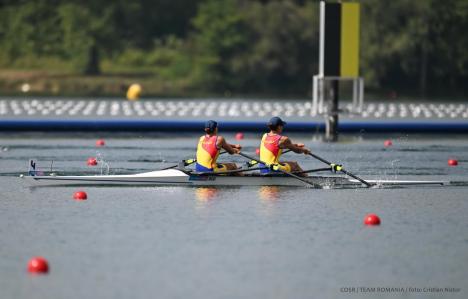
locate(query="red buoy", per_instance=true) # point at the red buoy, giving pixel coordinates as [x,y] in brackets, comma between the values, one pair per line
[240,136]
[80,195]
[372,219]
[388,143]
[452,162]
[257,151]
[91,161]
[38,265]
[100,142]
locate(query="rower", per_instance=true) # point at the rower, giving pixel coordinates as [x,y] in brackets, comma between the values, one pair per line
[272,146]
[209,147]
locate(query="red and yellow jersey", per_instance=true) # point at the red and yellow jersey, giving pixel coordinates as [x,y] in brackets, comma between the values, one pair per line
[207,151]
[270,150]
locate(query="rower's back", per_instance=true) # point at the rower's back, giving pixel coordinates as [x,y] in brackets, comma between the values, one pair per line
[270,150]
[207,152]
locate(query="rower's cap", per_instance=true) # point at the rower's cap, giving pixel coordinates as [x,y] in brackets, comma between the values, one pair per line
[211,124]
[276,121]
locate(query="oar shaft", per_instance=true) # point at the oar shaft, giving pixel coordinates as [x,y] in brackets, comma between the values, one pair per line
[355,177]
[342,170]
[313,170]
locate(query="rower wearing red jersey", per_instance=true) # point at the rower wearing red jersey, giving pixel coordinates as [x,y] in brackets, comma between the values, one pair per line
[209,147]
[273,144]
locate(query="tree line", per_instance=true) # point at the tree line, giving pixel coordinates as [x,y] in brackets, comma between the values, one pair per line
[248,46]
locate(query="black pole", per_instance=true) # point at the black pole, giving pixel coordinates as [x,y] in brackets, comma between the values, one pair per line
[331,126]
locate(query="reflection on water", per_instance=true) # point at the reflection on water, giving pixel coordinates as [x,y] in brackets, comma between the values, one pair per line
[206,194]
[269,196]
[269,193]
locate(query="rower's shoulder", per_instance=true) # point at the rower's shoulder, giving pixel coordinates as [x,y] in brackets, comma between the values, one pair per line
[284,141]
[284,138]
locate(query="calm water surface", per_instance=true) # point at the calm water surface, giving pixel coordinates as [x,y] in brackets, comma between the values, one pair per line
[179,242]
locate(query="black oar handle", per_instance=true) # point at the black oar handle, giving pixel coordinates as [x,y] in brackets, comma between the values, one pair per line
[342,170]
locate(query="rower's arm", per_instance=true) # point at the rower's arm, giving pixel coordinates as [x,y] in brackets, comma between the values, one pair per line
[297,148]
[230,148]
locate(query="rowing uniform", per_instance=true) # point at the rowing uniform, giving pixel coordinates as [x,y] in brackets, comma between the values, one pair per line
[207,154]
[270,152]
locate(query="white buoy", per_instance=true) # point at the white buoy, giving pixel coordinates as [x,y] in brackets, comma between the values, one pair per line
[25,87]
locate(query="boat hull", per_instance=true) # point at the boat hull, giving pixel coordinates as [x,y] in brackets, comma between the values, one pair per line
[174,177]
[180,178]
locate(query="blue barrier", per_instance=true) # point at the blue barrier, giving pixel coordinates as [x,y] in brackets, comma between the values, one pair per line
[247,126]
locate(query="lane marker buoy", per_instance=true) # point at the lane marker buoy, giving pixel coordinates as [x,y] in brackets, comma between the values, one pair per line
[372,219]
[257,151]
[388,143]
[80,195]
[452,162]
[100,142]
[240,136]
[91,161]
[38,265]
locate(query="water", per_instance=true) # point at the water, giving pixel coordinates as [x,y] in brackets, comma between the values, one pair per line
[179,242]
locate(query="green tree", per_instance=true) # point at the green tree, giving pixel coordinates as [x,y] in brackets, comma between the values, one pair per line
[221,34]
[283,49]
[448,43]
[414,45]
[87,32]
[240,45]
[29,28]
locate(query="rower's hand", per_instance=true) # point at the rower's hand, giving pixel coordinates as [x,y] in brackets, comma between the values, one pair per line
[336,167]
[251,163]
[238,146]
[189,162]
[274,167]
[306,151]
[300,144]
[235,151]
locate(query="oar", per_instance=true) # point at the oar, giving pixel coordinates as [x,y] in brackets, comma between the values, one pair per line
[341,169]
[313,170]
[282,171]
[186,163]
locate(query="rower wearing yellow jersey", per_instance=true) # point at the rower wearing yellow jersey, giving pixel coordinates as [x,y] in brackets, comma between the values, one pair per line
[208,150]
[273,144]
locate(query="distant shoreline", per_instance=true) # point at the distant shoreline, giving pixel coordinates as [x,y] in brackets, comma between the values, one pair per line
[54,83]
[44,83]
